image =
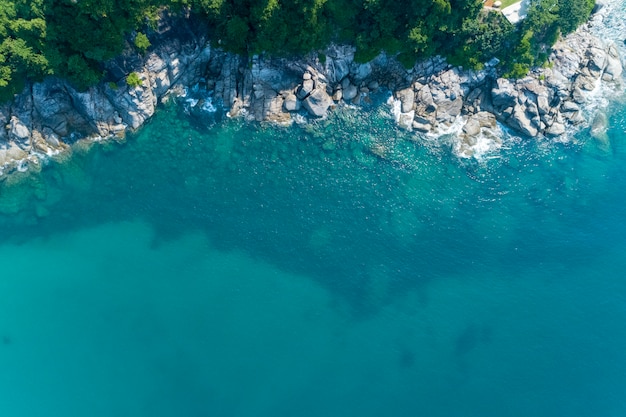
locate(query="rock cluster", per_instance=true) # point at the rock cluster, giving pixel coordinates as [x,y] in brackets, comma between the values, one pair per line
[433,95]
[553,98]
[49,114]
[429,98]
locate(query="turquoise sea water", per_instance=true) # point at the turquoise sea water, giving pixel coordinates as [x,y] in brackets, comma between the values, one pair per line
[342,269]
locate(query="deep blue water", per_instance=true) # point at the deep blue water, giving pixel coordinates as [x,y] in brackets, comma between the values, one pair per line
[244,270]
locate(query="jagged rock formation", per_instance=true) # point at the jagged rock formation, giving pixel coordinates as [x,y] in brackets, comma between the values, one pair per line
[49,114]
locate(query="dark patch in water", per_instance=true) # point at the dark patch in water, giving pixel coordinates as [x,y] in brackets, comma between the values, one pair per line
[407,358]
[471,338]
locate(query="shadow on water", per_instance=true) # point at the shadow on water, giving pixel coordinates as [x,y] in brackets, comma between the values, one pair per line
[351,202]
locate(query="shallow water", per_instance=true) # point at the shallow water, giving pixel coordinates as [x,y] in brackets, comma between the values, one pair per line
[230,269]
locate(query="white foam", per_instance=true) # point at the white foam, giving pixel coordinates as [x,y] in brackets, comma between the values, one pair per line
[22,165]
[395,107]
[208,106]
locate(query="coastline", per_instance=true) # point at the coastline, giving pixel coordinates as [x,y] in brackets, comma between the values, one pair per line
[431,99]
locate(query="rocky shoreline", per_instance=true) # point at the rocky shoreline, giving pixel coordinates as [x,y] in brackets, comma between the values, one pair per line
[430,99]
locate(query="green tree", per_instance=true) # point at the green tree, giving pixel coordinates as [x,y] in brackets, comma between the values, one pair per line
[572,13]
[141,42]
[133,80]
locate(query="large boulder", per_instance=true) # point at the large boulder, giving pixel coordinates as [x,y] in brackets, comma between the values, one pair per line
[599,125]
[405,120]
[349,90]
[559,83]
[18,131]
[543,104]
[485,119]
[407,99]
[504,94]
[318,102]
[425,97]
[306,88]
[557,129]
[291,102]
[478,121]
[597,59]
[361,71]
[471,127]
[159,70]
[613,69]
[448,110]
[338,60]
[521,122]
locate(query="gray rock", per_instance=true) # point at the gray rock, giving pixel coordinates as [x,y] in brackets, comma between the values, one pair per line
[338,60]
[407,99]
[585,82]
[422,119]
[361,71]
[557,129]
[422,127]
[504,94]
[558,82]
[599,125]
[405,120]
[485,119]
[448,110]
[578,96]
[18,130]
[337,69]
[425,97]
[575,117]
[291,102]
[543,106]
[318,102]
[11,152]
[569,106]
[135,105]
[532,109]
[533,86]
[306,88]
[349,92]
[613,69]
[51,138]
[158,67]
[520,121]
[471,127]
[597,59]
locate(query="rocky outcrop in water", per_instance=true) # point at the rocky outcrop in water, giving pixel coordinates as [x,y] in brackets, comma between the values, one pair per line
[429,98]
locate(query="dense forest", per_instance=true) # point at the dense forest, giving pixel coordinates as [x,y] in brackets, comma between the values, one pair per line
[72,38]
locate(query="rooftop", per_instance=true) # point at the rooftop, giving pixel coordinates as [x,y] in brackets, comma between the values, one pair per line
[517,11]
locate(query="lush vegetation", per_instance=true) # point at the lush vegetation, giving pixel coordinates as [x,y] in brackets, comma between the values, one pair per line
[72,38]
[546,20]
[69,38]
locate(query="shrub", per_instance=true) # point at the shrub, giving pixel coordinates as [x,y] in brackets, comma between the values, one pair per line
[133,80]
[141,42]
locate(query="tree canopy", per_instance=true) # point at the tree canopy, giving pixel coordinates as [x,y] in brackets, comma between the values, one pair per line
[72,38]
